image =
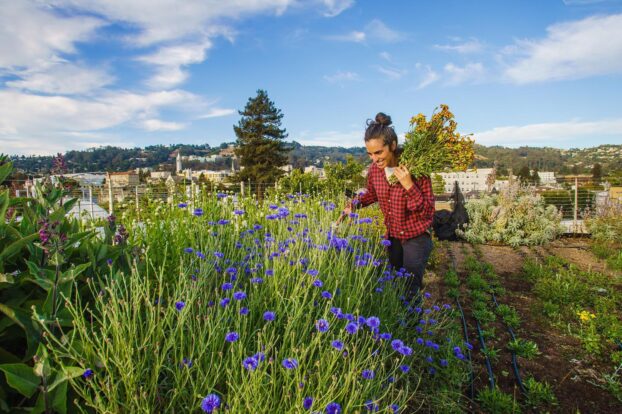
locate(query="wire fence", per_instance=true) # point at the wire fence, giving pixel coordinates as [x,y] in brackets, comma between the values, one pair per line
[575,198]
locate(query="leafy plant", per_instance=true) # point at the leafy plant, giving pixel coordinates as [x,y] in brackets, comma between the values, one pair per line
[524,348]
[538,394]
[495,401]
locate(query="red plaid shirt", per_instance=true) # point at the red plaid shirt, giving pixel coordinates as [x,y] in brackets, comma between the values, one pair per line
[407,213]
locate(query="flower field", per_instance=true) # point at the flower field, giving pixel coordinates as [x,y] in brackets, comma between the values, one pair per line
[229,304]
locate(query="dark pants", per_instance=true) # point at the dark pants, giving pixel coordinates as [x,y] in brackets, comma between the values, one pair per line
[411,254]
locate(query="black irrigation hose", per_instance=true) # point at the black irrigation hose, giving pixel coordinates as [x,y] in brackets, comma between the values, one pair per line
[466,339]
[514,360]
[491,376]
[465,333]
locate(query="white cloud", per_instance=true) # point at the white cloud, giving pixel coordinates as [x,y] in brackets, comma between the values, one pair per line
[582,2]
[552,134]
[217,113]
[63,78]
[27,115]
[30,36]
[385,56]
[375,30]
[429,76]
[463,47]
[354,36]
[341,77]
[159,125]
[336,7]
[166,20]
[470,73]
[392,73]
[573,50]
[169,61]
[331,138]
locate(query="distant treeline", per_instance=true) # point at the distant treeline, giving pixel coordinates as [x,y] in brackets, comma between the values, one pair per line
[300,156]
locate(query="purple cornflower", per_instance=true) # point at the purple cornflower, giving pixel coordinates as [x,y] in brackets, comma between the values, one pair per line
[428,295]
[88,373]
[198,212]
[109,262]
[227,286]
[327,295]
[333,408]
[370,405]
[318,283]
[289,363]
[186,362]
[224,302]
[182,205]
[200,255]
[238,212]
[256,280]
[244,310]
[406,350]
[269,272]
[368,374]
[307,403]
[180,305]
[250,363]
[239,295]
[397,344]
[188,250]
[373,322]
[210,403]
[443,362]
[312,272]
[221,195]
[351,328]
[269,315]
[322,325]
[385,336]
[395,408]
[404,368]
[337,344]
[232,336]
[386,243]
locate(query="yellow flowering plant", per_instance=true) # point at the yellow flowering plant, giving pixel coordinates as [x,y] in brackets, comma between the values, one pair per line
[434,145]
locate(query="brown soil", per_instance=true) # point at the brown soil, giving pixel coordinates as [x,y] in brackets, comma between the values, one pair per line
[562,362]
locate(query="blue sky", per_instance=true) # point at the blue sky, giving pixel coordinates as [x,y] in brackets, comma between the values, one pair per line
[76,74]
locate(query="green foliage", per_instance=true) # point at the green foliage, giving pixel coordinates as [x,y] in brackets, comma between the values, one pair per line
[260,141]
[509,315]
[516,216]
[524,348]
[539,395]
[438,184]
[495,401]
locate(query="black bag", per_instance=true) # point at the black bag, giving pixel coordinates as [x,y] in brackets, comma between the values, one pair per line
[447,222]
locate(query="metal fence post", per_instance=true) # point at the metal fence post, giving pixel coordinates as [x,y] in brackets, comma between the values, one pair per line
[576,204]
[110,203]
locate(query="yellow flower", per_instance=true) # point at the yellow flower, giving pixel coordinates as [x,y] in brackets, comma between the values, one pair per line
[585,316]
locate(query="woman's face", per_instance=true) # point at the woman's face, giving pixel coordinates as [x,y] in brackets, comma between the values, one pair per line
[381,154]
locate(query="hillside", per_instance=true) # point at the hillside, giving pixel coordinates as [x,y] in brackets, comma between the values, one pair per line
[300,156]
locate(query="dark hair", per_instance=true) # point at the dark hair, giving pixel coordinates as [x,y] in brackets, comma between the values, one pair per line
[380,128]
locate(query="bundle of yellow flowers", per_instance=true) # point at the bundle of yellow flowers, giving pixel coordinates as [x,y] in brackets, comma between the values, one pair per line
[435,146]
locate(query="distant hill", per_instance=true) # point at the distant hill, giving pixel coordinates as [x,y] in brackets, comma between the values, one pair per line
[300,156]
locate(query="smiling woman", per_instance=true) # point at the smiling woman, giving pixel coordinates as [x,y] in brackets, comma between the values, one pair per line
[408,207]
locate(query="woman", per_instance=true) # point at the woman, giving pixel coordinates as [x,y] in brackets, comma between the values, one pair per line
[408,206]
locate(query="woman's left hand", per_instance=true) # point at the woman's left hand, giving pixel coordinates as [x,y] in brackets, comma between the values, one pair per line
[403,176]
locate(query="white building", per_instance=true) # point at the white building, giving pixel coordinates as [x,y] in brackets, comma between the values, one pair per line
[469,180]
[213,176]
[546,177]
[160,175]
[315,170]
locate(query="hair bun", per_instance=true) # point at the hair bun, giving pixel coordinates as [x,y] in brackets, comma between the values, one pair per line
[383,119]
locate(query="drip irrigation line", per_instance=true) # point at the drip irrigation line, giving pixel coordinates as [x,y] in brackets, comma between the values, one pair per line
[465,333]
[491,376]
[515,368]
[466,339]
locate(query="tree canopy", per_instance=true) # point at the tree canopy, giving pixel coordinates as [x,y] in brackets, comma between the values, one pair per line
[260,143]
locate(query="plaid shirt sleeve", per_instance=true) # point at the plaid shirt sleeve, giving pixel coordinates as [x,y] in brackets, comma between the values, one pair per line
[407,213]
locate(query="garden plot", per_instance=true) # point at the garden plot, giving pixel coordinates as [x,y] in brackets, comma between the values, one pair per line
[576,373]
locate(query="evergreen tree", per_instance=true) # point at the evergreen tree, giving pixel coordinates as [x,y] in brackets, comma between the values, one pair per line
[535,177]
[260,141]
[524,175]
[597,172]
